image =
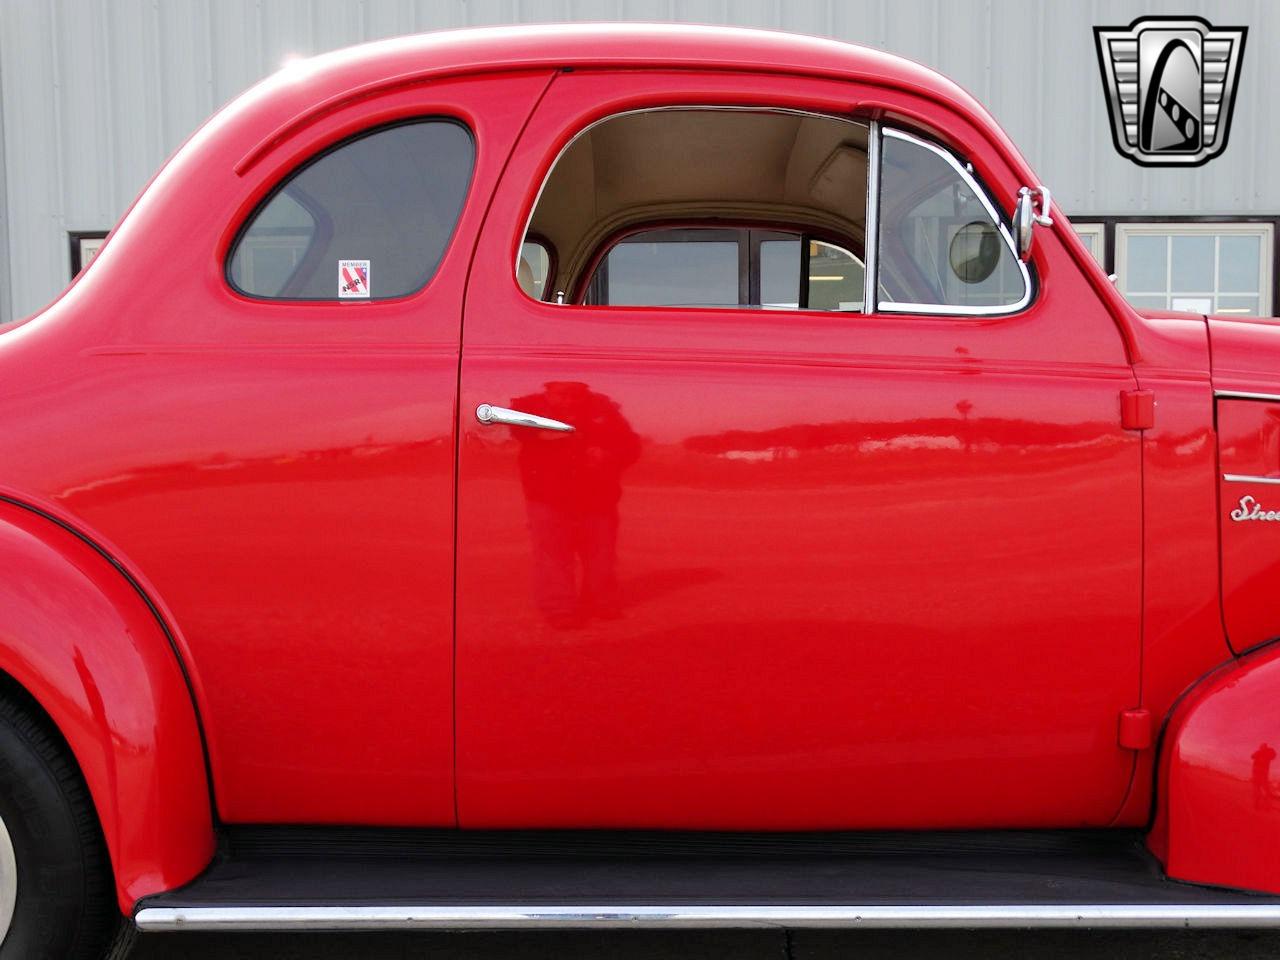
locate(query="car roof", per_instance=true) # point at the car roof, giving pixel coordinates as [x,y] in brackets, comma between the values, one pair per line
[566,44]
[490,49]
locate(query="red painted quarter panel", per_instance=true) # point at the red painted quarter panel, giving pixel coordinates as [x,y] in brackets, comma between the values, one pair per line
[281,472]
[83,643]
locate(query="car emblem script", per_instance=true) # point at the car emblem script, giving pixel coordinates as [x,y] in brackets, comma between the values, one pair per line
[1251,509]
[1170,84]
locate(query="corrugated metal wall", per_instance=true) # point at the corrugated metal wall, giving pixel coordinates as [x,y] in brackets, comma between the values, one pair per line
[94,94]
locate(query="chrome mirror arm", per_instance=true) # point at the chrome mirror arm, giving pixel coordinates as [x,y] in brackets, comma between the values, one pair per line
[1031,210]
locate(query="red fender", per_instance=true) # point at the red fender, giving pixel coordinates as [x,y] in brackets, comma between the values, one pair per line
[1218,814]
[82,641]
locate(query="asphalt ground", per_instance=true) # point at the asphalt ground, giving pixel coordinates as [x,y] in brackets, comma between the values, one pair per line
[718,945]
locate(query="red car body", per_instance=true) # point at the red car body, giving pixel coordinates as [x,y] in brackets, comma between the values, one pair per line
[913,572]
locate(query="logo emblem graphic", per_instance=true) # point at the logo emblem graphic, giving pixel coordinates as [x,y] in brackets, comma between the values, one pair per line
[353,279]
[1170,84]
[1251,509]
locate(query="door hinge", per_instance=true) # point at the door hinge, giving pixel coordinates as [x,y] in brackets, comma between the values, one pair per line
[1137,409]
[1136,729]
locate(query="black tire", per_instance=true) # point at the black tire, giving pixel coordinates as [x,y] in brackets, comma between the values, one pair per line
[66,908]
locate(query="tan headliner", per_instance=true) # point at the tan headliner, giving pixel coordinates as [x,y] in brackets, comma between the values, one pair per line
[694,164]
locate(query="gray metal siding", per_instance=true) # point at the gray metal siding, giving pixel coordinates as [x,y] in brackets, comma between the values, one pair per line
[6,287]
[94,94]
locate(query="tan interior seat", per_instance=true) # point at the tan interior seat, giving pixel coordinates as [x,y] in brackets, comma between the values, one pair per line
[524,274]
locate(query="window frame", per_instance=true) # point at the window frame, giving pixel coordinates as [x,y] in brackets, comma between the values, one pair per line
[576,297]
[966,173]
[876,130]
[298,169]
[78,240]
[1121,228]
[1097,229]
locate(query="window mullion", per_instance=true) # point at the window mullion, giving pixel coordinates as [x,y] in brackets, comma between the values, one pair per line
[871,233]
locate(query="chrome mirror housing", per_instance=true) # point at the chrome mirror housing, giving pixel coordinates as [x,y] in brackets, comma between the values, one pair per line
[1031,210]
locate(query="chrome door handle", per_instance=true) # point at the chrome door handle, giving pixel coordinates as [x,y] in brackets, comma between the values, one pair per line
[488,413]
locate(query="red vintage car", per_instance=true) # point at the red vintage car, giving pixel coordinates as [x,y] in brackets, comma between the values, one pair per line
[627,475]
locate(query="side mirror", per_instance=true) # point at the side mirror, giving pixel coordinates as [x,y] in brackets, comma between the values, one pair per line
[1032,209]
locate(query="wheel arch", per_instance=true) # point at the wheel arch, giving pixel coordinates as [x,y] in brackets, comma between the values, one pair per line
[1217,802]
[82,640]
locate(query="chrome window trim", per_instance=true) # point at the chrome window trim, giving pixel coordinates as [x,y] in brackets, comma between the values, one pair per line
[871,222]
[577,916]
[1244,395]
[735,108]
[947,310]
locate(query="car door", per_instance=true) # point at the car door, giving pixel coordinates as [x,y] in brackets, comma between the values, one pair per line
[746,568]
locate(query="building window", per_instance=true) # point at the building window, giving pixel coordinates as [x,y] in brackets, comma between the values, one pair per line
[1222,268]
[85,245]
[1094,236]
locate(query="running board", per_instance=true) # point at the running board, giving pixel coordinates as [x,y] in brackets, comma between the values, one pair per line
[318,880]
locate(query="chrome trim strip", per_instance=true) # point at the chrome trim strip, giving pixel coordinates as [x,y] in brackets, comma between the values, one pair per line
[1247,478]
[871,222]
[948,310]
[1242,395]
[261,918]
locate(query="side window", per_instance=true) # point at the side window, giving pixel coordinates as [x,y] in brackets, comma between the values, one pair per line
[769,209]
[835,278]
[740,196]
[943,248]
[367,220]
[727,267]
[811,274]
[671,268]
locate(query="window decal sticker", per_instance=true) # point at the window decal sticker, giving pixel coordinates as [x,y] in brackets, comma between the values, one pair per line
[353,279]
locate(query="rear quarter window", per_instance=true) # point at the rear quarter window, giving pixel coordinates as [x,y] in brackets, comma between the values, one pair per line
[368,219]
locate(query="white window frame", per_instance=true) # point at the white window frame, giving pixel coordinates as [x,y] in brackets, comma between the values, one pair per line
[1099,233]
[1265,231]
